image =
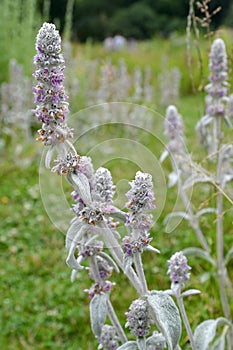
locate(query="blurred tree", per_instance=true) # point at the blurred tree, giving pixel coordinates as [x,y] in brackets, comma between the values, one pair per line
[100,18]
[137,21]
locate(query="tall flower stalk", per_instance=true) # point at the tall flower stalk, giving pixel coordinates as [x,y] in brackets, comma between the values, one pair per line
[50,97]
[93,237]
[174,131]
[210,132]
[217,90]
[178,270]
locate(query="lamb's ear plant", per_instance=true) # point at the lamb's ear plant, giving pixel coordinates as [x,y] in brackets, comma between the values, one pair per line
[210,133]
[93,243]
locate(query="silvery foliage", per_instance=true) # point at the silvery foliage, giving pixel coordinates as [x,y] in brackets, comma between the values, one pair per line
[211,135]
[94,227]
[93,233]
[15,96]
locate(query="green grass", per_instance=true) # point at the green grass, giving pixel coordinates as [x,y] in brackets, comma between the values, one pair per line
[40,308]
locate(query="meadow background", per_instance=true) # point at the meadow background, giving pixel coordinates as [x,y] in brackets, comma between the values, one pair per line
[40,308]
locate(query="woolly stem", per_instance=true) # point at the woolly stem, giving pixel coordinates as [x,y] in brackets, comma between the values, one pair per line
[185,320]
[94,269]
[117,253]
[221,270]
[115,322]
[140,271]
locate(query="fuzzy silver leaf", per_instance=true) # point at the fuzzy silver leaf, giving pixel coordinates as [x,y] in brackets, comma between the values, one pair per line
[71,260]
[74,228]
[219,344]
[166,315]
[157,339]
[98,313]
[141,341]
[127,262]
[48,157]
[109,260]
[197,178]
[81,183]
[201,253]
[130,345]
[190,292]
[205,332]
[176,214]
[205,211]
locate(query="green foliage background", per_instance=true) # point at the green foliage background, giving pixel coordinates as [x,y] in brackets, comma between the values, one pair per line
[40,308]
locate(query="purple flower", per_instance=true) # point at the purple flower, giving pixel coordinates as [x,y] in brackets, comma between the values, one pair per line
[51,136]
[108,338]
[132,246]
[140,195]
[103,188]
[217,89]
[174,130]
[96,288]
[105,270]
[50,96]
[138,319]
[140,222]
[178,269]
[88,250]
[68,165]
[91,215]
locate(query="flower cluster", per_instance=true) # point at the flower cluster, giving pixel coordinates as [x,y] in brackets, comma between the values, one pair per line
[216,99]
[88,250]
[132,246]
[49,92]
[138,319]
[51,136]
[173,129]
[68,165]
[103,188]
[140,195]
[108,338]
[91,215]
[217,89]
[138,221]
[98,288]
[105,270]
[141,222]
[178,269]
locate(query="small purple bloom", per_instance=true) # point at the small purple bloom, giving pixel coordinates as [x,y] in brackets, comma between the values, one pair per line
[178,269]
[140,195]
[138,319]
[52,107]
[67,165]
[108,338]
